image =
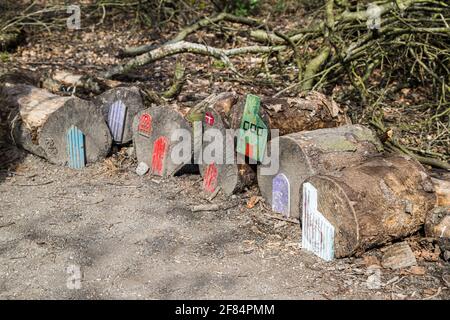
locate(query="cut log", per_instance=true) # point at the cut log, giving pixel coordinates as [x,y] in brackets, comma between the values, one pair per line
[442,188]
[155,134]
[229,111]
[64,130]
[437,224]
[63,81]
[378,201]
[221,114]
[119,107]
[304,154]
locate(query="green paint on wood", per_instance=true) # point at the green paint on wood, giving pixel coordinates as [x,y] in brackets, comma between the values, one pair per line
[252,139]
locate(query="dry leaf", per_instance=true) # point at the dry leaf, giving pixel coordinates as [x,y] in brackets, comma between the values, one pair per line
[253,201]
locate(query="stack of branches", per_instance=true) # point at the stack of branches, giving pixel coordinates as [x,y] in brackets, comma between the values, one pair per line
[375,49]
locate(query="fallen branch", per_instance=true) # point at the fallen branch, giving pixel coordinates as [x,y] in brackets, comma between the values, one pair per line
[212,207]
[398,147]
[191,29]
[188,47]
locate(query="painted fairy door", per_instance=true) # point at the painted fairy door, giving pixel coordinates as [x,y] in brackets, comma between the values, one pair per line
[253,133]
[116,119]
[76,150]
[160,147]
[317,231]
[281,194]
[145,125]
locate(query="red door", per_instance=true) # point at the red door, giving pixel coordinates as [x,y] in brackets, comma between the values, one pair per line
[159,154]
[210,179]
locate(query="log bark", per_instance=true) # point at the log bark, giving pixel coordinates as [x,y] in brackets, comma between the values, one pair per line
[307,153]
[442,188]
[61,80]
[376,202]
[153,132]
[119,107]
[40,122]
[285,114]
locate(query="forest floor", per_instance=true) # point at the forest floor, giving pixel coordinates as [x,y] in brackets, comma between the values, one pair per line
[135,237]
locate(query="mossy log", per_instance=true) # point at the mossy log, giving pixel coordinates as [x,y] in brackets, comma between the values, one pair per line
[307,153]
[378,201]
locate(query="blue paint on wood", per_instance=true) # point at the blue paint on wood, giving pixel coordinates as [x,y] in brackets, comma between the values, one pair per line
[76,150]
[281,194]
[116,120]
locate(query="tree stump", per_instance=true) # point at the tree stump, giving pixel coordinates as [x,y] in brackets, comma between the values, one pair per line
[119,107]
[64,130]
[370,204]
[255,116]
[307,153]
[154,135]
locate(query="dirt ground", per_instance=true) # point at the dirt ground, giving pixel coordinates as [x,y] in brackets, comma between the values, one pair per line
[136,237]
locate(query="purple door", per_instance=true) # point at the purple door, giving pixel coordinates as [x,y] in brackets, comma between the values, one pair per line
[116,119]
[281,194]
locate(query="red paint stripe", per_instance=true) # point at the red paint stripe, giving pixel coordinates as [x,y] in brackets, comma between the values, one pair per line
[248,150]
[210,179]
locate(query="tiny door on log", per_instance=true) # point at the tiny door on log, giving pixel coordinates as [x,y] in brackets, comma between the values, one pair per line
[159,155]
[116,119]
[210,178]
[317,232]
[253,133]
[145,125]
[76,148]
[281,194]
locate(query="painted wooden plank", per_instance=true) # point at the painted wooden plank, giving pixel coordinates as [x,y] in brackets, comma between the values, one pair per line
[317,231]
[116,119]
[76,150]
[252,139]
[160,147]
[281,194]
[210,179]
[145,125]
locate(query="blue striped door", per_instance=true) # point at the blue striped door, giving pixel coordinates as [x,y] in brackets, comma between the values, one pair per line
[75,148]
[116,119]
